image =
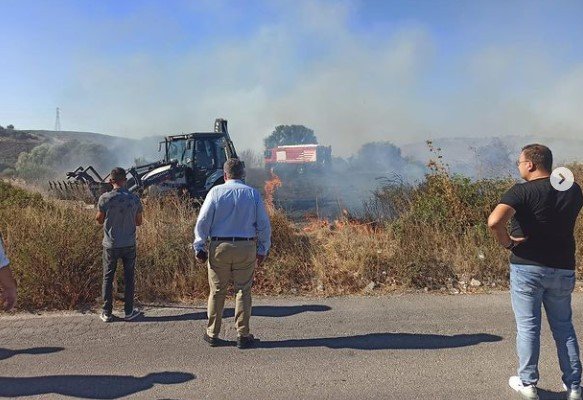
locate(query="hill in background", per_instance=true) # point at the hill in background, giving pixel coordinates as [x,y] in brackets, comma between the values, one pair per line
[475,157]
[126,151]
[12,143]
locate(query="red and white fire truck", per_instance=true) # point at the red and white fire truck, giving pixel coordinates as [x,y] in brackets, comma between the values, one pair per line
[299,158]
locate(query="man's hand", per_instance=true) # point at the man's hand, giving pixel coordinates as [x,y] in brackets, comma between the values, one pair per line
[518,240]
[201,256]
[260,258]
[100,217]
[9,298]
[8,286]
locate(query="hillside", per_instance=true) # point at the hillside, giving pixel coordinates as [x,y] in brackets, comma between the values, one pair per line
[14,142]
[464,155]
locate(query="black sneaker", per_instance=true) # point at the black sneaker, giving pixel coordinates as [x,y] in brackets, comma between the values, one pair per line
[245,342]
[105,317]
[213,341]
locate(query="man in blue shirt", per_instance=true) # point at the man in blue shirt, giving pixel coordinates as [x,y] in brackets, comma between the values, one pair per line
[233,216]
[120,212]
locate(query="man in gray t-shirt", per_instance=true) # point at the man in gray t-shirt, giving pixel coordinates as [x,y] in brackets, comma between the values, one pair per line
[120,212]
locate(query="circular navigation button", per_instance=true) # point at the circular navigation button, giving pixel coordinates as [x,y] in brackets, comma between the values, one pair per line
[562,179]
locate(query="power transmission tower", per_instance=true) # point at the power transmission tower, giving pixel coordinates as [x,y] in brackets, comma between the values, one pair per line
[58,120]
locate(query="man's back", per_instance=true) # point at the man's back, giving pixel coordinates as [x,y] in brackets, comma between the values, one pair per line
[120,208]
[547,218]
[233,209]
[236,210]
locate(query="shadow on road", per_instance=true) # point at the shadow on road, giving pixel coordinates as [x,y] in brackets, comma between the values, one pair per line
[88,386]
[385,341]
[7,353]
[258,311]
[548,395]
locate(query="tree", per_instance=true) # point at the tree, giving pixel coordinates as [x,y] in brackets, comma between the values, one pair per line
[386,158]
[493,160]
[290,134]
[10,127]
[49,161]
[380,156]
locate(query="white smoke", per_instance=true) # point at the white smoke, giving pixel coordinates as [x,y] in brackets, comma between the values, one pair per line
[312,68]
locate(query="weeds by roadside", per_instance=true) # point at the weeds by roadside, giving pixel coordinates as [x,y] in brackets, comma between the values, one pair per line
[432,236]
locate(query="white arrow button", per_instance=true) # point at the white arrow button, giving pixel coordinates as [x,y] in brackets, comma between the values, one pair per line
[562,179]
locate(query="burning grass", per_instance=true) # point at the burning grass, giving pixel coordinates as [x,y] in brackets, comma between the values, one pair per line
[431,237]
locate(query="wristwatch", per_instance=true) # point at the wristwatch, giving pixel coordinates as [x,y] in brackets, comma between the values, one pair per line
[511,245]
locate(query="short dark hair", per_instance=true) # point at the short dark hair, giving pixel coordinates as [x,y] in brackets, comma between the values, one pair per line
[539,155]
[234,168]
[118,174]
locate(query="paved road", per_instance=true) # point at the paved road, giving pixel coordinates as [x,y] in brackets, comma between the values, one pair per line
[413,346]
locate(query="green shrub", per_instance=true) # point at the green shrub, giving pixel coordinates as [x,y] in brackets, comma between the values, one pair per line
[13,196]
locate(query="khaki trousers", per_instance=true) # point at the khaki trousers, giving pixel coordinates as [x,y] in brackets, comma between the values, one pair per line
[230,261]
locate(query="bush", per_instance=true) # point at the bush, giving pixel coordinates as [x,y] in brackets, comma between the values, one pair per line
[434,236]
[52,249]
[17,197]
[49,161]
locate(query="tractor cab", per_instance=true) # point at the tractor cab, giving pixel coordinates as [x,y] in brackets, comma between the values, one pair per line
[201,157]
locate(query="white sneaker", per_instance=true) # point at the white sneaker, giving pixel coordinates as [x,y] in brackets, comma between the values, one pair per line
[106,317]
[525,392]
[573,394]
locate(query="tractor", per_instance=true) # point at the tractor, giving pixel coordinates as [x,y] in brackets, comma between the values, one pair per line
[192,165]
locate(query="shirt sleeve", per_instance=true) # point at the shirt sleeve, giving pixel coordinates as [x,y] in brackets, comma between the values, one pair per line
[579,197]
[263,226]
[204,223]
[102,203]
[512,197]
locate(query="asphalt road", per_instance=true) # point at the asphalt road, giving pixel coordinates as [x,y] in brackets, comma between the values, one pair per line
[412,346]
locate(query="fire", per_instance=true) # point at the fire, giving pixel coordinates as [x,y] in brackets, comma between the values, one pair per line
[314,224]
[270,187]
[346,221]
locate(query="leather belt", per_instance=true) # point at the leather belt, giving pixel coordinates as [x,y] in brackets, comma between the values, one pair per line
[232,239]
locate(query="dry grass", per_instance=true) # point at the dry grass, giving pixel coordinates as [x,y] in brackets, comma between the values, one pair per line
[431,237]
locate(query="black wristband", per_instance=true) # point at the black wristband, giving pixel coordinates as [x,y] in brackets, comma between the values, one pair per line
[511,245]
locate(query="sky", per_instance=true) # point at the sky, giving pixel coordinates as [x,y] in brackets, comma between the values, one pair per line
[353,71]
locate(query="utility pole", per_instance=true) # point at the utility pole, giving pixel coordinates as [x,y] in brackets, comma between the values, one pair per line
[58,120]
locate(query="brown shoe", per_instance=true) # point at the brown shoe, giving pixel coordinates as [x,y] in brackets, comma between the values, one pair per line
[245,342]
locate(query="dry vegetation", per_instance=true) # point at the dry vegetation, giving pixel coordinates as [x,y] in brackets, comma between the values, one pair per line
[431,237]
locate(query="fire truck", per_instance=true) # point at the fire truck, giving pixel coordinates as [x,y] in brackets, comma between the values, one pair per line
[298,159]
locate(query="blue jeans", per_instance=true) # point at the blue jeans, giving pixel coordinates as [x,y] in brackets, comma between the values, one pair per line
[532,286]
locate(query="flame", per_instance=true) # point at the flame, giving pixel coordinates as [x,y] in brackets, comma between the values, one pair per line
[270,187]
[314,224]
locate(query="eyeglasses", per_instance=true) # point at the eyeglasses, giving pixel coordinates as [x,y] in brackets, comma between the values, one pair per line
[520,162]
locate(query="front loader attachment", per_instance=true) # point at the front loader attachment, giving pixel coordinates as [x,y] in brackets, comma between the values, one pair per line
[83,184]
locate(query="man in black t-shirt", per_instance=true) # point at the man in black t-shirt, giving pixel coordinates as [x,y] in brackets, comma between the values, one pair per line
[542,266]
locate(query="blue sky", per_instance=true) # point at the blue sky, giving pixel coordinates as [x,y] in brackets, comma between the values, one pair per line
[354,71]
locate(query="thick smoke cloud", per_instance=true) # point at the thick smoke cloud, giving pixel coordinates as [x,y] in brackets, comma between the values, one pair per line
[313,68]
